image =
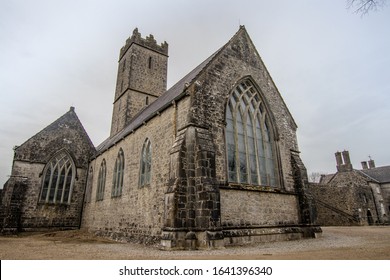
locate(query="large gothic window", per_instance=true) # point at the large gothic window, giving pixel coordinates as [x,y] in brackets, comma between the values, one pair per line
[249,140]
[101,181]
[118,175]
[58,179]
[146,164]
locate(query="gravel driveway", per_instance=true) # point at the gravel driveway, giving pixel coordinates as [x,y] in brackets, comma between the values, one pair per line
[349,243]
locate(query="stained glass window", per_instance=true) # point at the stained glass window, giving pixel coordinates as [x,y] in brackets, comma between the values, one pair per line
[249,141]
[58,179]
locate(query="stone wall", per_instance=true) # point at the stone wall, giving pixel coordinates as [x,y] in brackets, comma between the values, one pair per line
[244,208]
[38,215]
[11,207]
[385,188]
[138,213]
[339,205]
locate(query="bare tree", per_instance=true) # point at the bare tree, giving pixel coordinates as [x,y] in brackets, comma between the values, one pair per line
[365,6]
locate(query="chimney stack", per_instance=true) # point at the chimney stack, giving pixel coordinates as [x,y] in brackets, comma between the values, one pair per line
[343,161]
[339,160]
[364,165]
[371,164]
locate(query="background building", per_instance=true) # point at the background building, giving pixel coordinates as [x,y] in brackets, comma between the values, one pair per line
[352,197]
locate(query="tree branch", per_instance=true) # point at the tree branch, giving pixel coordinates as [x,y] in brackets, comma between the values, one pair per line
[363,7]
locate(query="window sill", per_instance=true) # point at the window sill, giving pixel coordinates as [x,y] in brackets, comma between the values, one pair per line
[53,204]
[255,188]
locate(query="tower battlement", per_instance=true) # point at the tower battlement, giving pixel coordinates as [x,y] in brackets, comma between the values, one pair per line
[148,42]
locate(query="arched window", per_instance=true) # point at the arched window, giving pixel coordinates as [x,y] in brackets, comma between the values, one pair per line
[118,175]
[249,141]
[88,190]
[150,62]
[58,179]
[101,181]
[146,164]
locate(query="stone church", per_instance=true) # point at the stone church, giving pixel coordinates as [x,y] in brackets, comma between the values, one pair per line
[213,161]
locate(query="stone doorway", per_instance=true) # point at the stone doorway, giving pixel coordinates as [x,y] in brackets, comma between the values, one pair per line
[370,220]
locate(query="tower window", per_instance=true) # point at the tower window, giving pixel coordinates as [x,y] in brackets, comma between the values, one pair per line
[124,65]
[150,62]
[147,100]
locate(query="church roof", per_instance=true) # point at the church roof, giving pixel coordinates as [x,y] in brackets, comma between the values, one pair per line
[39,147]
[379,174]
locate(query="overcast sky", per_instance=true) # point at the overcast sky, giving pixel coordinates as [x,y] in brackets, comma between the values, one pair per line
[331,66]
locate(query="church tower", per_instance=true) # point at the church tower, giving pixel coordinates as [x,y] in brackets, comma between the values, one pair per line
[142,78]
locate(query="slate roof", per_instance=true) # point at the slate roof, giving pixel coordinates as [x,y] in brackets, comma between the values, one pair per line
[325,179]
[379,174]
[38,147]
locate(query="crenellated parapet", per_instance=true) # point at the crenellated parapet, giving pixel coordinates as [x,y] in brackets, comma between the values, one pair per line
[148,42]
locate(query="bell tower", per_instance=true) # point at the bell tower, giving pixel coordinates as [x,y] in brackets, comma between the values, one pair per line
[141,79]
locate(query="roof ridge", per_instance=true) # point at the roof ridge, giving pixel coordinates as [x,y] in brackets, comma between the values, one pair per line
[71,111]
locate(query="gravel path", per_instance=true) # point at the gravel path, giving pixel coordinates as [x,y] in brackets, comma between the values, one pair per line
[335,243]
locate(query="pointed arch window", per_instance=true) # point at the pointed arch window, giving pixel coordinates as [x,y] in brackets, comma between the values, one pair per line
[58,179]
[249,141]
[118,175]
[146,164]
[88,190]
[101,184]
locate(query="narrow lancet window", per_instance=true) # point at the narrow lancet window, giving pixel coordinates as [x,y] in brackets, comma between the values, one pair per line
[101,181]
[146,164]
[118,175]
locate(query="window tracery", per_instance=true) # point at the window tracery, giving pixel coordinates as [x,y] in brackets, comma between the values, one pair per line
[58,179]
[249,141]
